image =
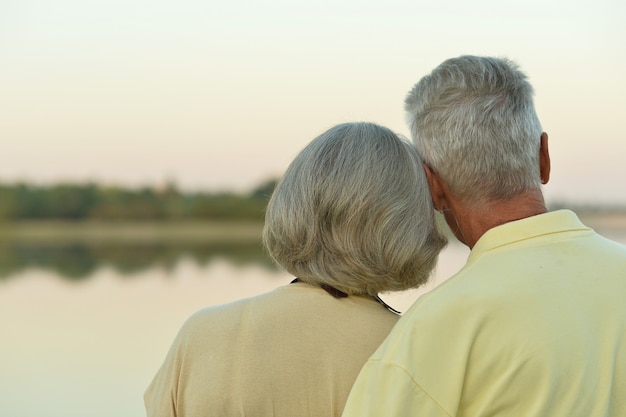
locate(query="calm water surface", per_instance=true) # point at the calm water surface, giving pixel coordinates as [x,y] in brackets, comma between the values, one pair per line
[88,344]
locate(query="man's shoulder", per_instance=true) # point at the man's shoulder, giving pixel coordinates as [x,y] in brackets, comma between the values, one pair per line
[465,293]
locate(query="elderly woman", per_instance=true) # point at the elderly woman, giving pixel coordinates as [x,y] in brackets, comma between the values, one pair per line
[352,217]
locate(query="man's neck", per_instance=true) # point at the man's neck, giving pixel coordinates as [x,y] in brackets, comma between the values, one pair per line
[475,220]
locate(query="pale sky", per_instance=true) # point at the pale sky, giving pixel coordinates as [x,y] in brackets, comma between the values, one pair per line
[223,94]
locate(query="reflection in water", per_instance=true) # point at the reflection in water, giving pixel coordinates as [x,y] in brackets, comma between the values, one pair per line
[77,261]
[91,349]
[75,251]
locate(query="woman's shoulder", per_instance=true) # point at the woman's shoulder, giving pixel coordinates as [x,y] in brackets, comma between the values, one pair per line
[220,315]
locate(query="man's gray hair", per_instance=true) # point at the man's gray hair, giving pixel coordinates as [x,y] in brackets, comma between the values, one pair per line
[353,211]
[473,121]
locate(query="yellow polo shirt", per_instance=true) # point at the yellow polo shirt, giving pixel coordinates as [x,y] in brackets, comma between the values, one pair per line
[533,325]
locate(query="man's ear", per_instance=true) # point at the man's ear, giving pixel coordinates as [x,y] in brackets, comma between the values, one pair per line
[544,159]
[436,188]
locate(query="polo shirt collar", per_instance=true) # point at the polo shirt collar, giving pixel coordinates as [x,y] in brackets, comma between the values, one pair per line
[531,227]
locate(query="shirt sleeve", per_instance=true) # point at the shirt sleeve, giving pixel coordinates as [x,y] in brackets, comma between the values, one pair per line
[383,389]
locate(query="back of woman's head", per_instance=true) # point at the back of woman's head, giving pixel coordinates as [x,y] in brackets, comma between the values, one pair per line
[353,211]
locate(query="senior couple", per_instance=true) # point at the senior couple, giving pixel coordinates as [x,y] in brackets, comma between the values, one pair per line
[533,325]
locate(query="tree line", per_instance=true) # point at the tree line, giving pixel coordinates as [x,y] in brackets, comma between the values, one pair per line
[91,201]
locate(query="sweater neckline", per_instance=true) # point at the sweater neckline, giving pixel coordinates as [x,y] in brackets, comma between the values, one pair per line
[340,294]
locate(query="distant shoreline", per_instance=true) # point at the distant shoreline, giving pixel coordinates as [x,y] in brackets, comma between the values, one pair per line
[196,231]
[89,231]
[610,223]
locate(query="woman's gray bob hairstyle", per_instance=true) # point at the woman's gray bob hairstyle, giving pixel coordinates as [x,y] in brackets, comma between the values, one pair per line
[353,211]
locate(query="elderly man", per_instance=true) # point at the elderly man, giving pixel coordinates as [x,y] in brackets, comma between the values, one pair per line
[535,323]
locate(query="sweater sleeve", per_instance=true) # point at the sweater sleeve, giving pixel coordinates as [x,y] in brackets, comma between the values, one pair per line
[161,395]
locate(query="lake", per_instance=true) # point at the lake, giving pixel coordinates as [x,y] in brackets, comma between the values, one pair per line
[84,327]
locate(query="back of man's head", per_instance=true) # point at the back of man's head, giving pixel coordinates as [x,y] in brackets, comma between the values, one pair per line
[474,123]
